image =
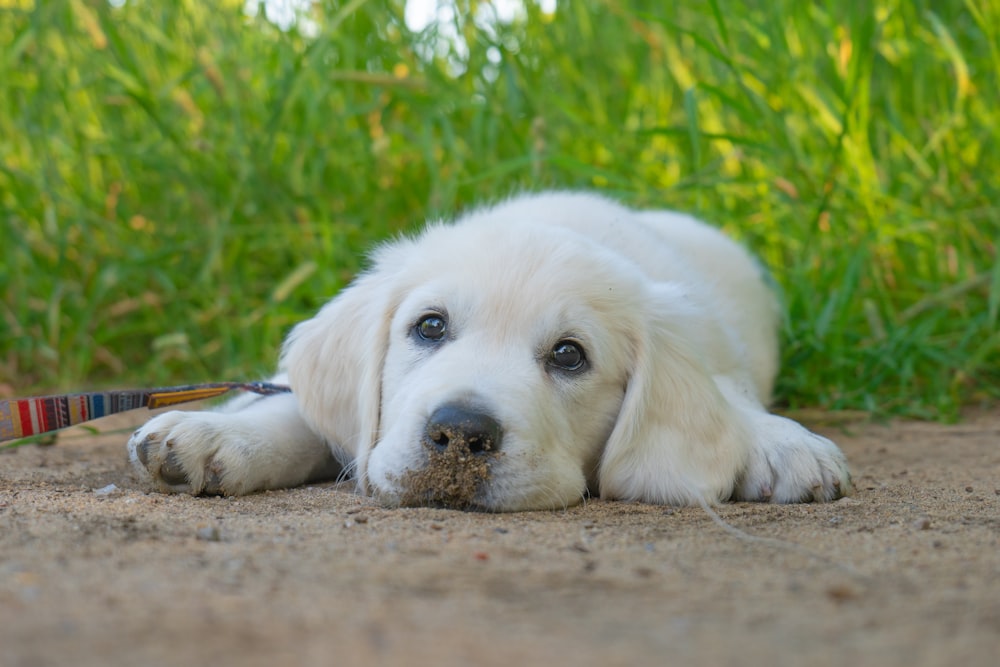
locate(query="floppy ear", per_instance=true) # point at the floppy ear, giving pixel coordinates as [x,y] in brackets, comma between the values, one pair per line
[677,440]
[335,360]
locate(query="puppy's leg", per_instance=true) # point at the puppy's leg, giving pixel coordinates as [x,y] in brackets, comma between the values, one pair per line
[787,462]
[251,444]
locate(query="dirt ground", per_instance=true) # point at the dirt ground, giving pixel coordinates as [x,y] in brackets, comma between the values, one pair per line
[905,572]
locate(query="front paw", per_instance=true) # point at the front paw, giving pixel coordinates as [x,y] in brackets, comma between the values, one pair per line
[176,451]
[790,464]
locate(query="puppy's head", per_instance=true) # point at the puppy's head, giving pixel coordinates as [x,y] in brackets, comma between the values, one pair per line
[487,366]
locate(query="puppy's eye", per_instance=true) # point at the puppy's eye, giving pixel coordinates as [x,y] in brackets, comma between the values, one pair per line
[567,355]
[431,327]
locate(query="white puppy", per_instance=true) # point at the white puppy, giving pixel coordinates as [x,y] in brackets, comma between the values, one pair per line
[548,347]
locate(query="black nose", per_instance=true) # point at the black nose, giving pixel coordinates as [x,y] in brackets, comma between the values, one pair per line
[459,425]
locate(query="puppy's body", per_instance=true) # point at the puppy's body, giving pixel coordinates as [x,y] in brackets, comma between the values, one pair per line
[564,342]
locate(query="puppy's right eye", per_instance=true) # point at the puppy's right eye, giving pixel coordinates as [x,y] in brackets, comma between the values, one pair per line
[431,327]
[567,355]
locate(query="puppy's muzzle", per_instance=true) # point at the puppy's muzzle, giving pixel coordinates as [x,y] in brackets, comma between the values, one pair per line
[457,425]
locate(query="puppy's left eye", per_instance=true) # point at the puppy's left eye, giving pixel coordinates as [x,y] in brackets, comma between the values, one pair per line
[567,355]
[431,327]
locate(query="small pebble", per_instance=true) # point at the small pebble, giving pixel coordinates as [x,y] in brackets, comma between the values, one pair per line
[842,593]
[969,489]
[923,523]
[209,534]
[105,491]
[360,519]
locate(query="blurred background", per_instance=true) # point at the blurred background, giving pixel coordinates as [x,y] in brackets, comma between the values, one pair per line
[181,181]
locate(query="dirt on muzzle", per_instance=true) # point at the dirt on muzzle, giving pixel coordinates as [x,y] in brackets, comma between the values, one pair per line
[453,478]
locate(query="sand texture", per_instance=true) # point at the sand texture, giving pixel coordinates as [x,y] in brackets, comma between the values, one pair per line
[905,572]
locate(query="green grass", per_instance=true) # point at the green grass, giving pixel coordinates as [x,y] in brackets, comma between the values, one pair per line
[180,183]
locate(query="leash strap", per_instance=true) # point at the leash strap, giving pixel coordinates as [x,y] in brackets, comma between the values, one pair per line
[21,417]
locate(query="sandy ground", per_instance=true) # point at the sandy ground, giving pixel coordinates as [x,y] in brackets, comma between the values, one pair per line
[906,572]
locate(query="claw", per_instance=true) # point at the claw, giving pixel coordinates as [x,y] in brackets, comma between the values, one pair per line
[142,452]
[171,472]
[213,481]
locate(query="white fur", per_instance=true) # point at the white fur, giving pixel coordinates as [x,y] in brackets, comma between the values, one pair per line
[680,332]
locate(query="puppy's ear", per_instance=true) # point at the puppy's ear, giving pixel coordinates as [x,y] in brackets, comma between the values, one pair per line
[335,360]
[677,440]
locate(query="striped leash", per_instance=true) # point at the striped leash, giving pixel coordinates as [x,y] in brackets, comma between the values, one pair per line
[21,417]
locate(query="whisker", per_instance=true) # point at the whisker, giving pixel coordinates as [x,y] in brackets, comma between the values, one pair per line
[347,472]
